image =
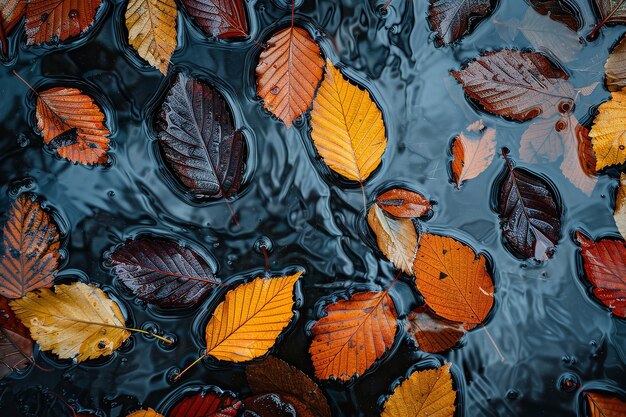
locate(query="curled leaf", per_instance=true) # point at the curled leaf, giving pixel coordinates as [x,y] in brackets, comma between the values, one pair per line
[608,133]
[404,203]
[453,19]
[620,206]
[16,346]
[224,19]
[471,156]
[207,404]
[53,21]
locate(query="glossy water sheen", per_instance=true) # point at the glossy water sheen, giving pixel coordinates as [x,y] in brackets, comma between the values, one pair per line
[544,322]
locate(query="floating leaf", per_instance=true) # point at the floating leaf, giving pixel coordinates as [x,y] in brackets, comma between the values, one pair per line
[608,133]
[162,272]
[270,405]
[151,28]
[601,405]
[29,257]
[562,11]
[73,124]
[51,21]
[289,71]
[605,267]
[224,19]
[404,203]
[605,7]
[11,13]
[472,156]
[424,393]
[620,206]
[199,140]
[353,335]
[273,375]
[250,319]
[454,280]
[616,67]
[531,220]
[579,161]
[432,333]
[453,19]
[145,413]
[16,346]
[518,85]
[76,321]
[207,404]
[396,238]
[348,128]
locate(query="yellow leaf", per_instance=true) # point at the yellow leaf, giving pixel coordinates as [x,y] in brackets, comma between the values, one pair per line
[151,28]
[424,393]
[74,321]
[620,206]
[396,238]
[609,131]
[145,413]
[348,129]
[246,324]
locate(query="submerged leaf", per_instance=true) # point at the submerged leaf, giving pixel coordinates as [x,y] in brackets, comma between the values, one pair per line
[601,405]
[16,346]
[472,156]
[53,21]
[616,67]
[453,19]
[404,203]
[620,206]
[224,19]
[396,238]
[563,11]
[432,333]
[608,133]
[206,404]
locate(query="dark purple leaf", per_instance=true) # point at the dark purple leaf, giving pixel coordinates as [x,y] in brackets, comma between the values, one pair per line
[453,19]
[221,18]
[16,346]
[199,140]
[562,11]
[162,272]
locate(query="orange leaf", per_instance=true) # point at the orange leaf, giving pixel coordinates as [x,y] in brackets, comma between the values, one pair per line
[145,413]
[620,206]
[404,203]
[600,405]
[11,13]
[30,255]
[72,123]
[432,333]
[51,21]
[288,73]
[453,280]
[353,335]
[472,156]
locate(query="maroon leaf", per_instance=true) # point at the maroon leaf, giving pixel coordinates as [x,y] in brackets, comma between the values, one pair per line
[162,272]
[562,11]
[221,18]
[531,220]
[605,267]
[199,140]
[518,85]
[206,404]
[16,346]
[271,405]
[453,19]
[404,203]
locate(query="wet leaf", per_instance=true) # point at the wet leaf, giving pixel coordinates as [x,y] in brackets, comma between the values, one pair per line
[620,206]
[273,375]
[198,137]
[471,156]
[616,67]
[353,335]
[605,267]
[453,19]
[162,272]
[608,133]
[518,85]
[453,279]
[16,346]
[288,73]
[432,333]
[579,161]
[270,405]
[530,218]
[562,11]
[76,321]
[424,393]
[224,19]
[404,203]
[53,21]
[11,13]
[152,32]
[29,258]
[145,413]
[606,6]
[601,405]
[250,319]
[396,238]
[73,124]
[206,404]
[348,128]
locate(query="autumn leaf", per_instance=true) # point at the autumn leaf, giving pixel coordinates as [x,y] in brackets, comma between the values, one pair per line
[270,405]
[518,85]
[353,335]
[77,321]
[206,404]
[616,67]
[52,21]
[563,11]
[224,19]
[530,217]
[198,137]
[605,7]
[73,124]
[348,128]
[273,375]
[453,19]
[608,133]
[602,405]
[250,319]
[604,262]
[471,156]
[424,393]
[620,206]
[16,346]
[288,73]
[162,272]
[404,203]
[11,13]
[396,238]
[432,333]
[29,258]
[453,279]
[145,413]
[151,28]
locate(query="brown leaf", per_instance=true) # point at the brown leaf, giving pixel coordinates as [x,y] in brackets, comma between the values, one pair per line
[562,11]
[432,333]
[453,19]
[579,160]
[272,405]
[224,19]
[52,21]
[471,156]
[616,66]
[396,238]
[602,405]
[605,7]
[620,206]
[404,203]
[16,346]
[11,13]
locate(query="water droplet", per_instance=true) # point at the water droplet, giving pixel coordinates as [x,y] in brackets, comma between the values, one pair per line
[568,382]
[111,193]
[275,90]
[512,394]
[261,242]
[23,140]
[394,29]
[171,375]
[73,14]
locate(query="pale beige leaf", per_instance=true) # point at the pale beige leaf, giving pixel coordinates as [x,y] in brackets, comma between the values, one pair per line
[620,206]
[544,35]
[472,155]
[396,238]
[616,67]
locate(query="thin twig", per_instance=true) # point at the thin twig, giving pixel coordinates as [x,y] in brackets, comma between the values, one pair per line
[594,33]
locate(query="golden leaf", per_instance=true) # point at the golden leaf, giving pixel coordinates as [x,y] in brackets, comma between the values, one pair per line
[246,324]
[151,28]
[348,128]
[620,206]
[74,321]
[396,238]
[608,134]
[145,413]
[424,393]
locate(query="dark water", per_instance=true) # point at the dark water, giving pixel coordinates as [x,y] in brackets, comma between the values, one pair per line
[545,324]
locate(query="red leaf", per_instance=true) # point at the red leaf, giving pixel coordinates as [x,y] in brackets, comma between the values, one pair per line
[16,346]
[404,203]
[453,19]
[206,404]
[562,11]
[221,18]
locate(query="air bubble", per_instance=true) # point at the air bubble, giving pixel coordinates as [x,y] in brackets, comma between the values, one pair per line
[23,140]
[261,242]
[73,14]
[568,382]
[275,90]
[512,394]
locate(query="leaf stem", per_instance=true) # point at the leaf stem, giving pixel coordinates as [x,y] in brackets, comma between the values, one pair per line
[149,333]
[190,366]
[594,33]
[493,342]
[386,5]
[394,281]
[364,198]
[266,255]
